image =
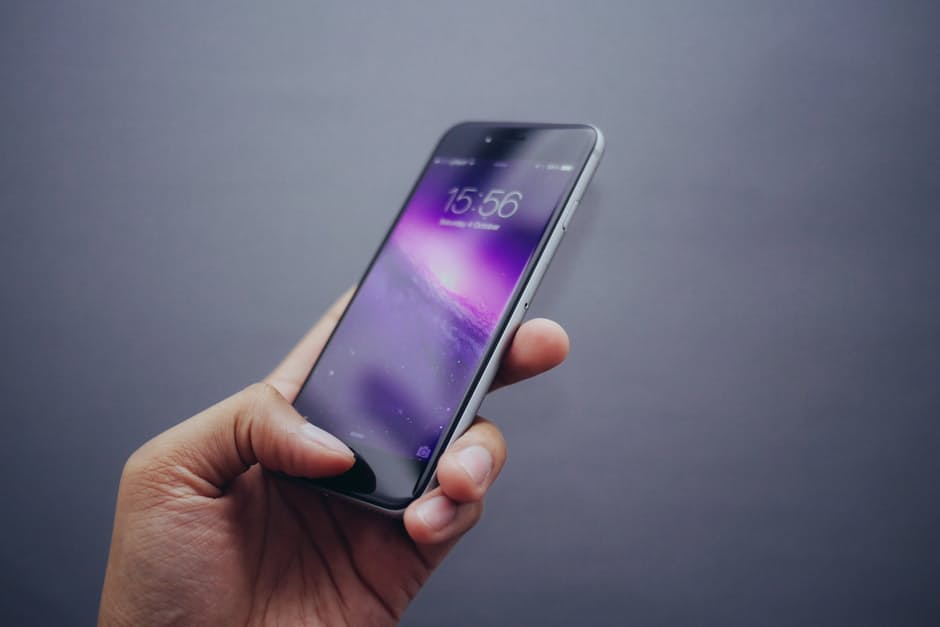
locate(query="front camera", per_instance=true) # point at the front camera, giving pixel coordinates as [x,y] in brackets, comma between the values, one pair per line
[487,139]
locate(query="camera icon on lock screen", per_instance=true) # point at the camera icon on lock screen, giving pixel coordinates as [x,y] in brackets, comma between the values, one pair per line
[423,452]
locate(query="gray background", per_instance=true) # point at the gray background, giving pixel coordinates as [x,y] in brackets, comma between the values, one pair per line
[746,432]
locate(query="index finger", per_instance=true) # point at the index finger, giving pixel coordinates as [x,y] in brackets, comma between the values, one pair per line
[291,373]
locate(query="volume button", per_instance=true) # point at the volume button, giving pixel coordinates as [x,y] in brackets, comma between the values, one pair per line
[565,219]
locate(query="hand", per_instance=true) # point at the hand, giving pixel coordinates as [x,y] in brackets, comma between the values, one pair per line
[211,529]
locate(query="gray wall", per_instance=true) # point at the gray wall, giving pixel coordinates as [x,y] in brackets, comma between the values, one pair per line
[746,431]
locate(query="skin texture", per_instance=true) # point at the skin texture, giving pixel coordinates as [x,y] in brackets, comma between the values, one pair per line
[212,528]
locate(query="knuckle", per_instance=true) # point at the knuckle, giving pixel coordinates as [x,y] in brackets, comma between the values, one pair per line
[258,398]
[147,467]
[256,420]
[146,460]
[262,392]
[137,465]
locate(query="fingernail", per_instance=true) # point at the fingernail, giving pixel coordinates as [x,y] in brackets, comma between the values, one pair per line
[326,440]
[476,462]
[437,512]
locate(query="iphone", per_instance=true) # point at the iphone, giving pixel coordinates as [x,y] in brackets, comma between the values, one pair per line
[408,364]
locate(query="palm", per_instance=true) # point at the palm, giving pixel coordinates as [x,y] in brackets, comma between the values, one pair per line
[301,557]
[305,555]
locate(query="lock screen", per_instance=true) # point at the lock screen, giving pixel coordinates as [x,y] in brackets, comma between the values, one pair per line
[397,368]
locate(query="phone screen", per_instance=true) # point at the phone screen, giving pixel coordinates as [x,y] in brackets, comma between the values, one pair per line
[406,353]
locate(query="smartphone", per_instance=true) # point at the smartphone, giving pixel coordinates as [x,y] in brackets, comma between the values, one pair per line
[408,364]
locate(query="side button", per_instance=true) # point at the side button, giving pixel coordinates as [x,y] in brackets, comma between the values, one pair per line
[567,217]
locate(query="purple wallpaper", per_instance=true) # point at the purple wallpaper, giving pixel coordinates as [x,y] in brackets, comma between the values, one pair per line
[397,368]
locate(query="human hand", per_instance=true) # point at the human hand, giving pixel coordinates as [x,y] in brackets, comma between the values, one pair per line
[211,529]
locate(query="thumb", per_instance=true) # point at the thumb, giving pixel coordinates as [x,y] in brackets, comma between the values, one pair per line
[256,425]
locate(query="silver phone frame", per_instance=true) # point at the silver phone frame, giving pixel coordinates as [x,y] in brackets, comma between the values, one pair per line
[514,321]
